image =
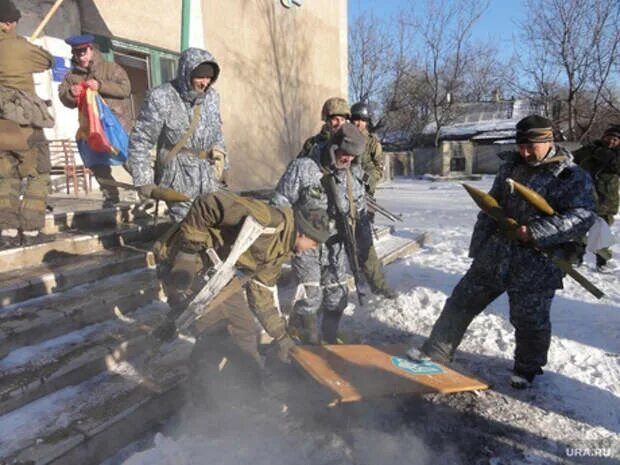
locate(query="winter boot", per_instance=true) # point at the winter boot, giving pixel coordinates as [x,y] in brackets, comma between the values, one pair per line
[304,326]
[329,327]
[523,379]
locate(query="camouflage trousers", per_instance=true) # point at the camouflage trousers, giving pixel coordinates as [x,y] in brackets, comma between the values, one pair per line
[322,279]
[369,261]
[529,314]
[24,185]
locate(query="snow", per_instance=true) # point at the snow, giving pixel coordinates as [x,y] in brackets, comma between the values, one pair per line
[574,407]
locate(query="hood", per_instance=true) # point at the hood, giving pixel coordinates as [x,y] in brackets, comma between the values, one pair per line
[190,59]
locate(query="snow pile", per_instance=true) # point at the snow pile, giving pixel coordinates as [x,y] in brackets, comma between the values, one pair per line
[572,407]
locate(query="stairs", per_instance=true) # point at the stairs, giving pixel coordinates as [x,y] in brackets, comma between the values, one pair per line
[74,318]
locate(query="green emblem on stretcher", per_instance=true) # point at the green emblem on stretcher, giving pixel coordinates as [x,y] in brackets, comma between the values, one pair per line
[423,367]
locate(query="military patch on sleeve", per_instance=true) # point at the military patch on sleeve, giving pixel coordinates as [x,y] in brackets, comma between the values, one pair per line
[315,192]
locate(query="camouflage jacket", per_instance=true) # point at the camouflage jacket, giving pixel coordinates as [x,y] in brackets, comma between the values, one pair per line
[214,221]
[320,138]
[19,59]
[114,85]
[373,161]
[164,118]
[303,184]
[603,164]
[567,188]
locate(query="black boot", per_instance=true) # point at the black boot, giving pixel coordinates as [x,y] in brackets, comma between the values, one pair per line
[329,326]
[304,326]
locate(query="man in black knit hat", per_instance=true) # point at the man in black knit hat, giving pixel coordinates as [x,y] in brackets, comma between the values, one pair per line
[510,262]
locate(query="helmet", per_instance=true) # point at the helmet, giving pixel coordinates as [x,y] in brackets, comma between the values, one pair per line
[335,106]
[360,110]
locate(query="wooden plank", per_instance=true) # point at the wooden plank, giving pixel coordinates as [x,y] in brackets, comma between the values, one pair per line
[355,372]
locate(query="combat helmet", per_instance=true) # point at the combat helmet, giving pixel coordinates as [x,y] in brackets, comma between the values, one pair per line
[361,111]
[335,106]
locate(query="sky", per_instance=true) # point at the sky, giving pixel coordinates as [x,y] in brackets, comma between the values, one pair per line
[498,24]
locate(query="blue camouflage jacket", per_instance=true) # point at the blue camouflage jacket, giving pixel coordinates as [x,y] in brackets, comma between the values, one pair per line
[567,188]
[301,185]
[164,117]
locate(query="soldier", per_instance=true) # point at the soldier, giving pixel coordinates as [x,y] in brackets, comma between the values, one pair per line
[181,117]
[335,113]
[373,159]
[602,160]
[321,273]
[24,153]
[372,162]
[214,221]
[513,265]
[112,83]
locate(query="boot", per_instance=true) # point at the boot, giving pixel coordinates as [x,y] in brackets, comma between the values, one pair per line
[523,379]
[304,326]
[329,327]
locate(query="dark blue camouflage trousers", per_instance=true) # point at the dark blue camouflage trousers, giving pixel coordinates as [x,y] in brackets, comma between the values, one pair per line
[322,279]
[529,314]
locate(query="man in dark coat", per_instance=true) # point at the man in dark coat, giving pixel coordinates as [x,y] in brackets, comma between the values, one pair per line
[112,83]
[512,264]
[602,160]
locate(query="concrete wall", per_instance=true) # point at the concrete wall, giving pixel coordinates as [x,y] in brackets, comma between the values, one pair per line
[278,67]
[426,161]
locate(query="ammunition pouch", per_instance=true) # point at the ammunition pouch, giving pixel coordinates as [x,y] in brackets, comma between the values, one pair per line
[14,137]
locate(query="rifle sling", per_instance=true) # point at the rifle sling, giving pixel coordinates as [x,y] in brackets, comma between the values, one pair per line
[185,137]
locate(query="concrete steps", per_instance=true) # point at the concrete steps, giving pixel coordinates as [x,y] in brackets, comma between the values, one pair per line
[31,372]
[74,318]
[78,243]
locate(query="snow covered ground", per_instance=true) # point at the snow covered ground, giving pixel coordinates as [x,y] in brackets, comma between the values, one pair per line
[571,415]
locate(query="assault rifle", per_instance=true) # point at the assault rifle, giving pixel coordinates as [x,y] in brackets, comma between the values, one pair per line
[491,207]
[375,207]
[346,230]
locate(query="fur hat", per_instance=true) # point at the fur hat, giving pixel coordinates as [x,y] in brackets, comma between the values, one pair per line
[349,139]
[9,12]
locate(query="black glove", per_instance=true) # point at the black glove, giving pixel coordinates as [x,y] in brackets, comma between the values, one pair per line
[166,331]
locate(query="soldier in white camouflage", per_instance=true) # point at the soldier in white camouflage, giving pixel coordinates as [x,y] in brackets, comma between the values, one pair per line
[321,273]
[165,118]
[512,264]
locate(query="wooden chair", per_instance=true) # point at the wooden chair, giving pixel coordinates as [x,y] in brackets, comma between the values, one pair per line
[63,153]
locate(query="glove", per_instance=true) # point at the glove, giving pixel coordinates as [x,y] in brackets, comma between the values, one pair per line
[183,270]
[285,345]
[146,191]
[166,331]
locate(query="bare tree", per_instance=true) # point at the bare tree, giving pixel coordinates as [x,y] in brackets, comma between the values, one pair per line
[444,29]
[370,55]
[578,42]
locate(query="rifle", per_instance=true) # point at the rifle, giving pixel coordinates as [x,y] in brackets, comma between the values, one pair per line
[159,193]
[346,229]
[375,207]
[491,207]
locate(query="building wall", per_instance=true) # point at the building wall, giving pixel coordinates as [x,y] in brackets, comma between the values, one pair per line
[278,67]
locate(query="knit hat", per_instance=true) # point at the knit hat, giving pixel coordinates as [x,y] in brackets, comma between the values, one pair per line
[534,129]
[9,12]
[313,223]
[349,139]
[205,69]
[613,130]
